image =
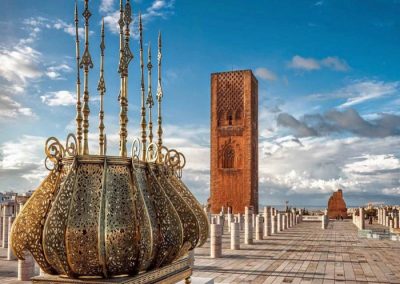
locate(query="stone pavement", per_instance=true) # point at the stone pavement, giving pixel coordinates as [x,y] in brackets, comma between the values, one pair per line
[302,254]
[305,254]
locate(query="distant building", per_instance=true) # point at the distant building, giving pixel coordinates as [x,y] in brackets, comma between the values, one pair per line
[337,205]
[234,141]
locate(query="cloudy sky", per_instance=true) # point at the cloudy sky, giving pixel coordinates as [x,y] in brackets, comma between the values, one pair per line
[328,76]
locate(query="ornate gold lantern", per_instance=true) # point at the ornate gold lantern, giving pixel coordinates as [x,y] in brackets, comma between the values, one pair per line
[105,216]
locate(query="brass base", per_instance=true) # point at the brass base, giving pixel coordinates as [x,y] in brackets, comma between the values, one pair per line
[173,273]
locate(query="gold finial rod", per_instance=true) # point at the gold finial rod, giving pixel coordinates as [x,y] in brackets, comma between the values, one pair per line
[125,58]
[121,98]
[86,63]
[143,108]
[149,101]
[101,87]
[78,86]
[159,100]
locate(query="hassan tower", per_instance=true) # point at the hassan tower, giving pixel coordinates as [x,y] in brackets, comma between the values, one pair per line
[234,141]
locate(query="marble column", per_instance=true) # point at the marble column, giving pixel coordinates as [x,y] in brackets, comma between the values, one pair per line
[284,221]
[267,221]
[248,228]
[239,220]
[229,219]
[221,221]
[324,222]
[10,253]
[287,220]
[279,222]
[215,241]
[259,227]
[294,217]
[26,267]
[1,225]
[274,224]
[362,221]
[6,214]
[396,222]
[235,235]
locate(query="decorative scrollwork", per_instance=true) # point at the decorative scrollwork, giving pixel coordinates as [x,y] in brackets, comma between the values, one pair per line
[175,161]
[136,149]
[162,154]
[70,146]
[152,153]
[54,151]
[172,158]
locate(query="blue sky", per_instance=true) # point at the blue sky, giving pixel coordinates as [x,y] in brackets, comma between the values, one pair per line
[328,88]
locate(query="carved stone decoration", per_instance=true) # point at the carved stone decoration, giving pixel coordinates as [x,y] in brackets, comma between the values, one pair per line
[104,216]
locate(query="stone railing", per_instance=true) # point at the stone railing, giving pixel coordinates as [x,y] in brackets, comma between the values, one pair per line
[307,218]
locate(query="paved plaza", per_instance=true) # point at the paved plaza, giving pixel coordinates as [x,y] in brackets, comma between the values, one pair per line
[305,254]
[302,254]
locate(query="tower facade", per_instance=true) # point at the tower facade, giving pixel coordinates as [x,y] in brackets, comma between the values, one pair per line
[234,141]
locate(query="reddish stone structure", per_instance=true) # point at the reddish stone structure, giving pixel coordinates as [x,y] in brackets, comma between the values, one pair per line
[234,141]
[336,205]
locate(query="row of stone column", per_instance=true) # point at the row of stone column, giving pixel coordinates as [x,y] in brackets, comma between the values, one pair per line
[389,219]
[258,225]
[26,267]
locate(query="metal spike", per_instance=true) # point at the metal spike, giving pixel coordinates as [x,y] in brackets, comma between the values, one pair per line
[143,108]
[149,101]
[102,89]
[86,63]
[159,100]
[78,86]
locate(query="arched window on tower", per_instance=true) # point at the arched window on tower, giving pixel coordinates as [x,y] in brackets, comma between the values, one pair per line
[220,118]
[238,115]
[229,158]
[229,117]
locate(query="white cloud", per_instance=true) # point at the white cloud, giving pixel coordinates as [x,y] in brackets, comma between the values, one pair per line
[19,64]
[106,5]
[392,191]
[11,109]
[265,74]
[69,28]
[311,64]
[363,167]
[55,72]
[335,63]
[111,21]
[22,163]
[368,164]
[357,92]
[59,98]
[360,92]
[158,9]
[302,63]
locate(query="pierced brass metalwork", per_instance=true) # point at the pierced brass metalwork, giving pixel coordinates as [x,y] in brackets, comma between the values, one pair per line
[84,219]
[104,216]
